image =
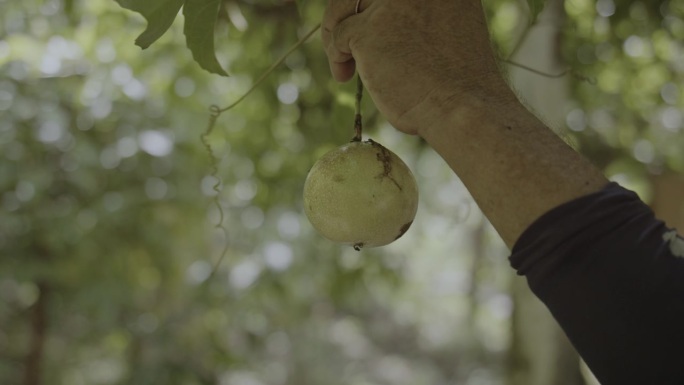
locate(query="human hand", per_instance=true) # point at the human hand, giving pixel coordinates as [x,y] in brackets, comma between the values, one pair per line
[418,59]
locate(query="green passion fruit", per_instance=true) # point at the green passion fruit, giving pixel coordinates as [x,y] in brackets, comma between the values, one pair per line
[361,194]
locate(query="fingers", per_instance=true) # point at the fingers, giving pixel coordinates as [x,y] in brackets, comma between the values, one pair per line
[338,17]
[342,63]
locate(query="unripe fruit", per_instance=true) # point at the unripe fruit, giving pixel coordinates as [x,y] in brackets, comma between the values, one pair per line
[361,194]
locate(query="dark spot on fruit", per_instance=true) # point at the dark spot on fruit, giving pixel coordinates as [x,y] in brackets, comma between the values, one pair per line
[403,230]
[385,157]
[509,127]
[338,178]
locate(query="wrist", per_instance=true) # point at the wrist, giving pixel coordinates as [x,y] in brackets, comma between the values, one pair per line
[470,108]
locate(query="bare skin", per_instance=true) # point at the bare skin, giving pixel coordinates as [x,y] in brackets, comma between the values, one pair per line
[430,69]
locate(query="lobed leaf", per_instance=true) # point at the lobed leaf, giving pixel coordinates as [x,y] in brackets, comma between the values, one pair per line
[159,14]
[200,21]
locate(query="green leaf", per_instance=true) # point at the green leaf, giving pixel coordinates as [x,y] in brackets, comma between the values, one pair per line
[536,7]
[159,15]
[200,21]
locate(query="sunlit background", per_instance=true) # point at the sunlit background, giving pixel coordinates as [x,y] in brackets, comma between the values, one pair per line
[107,226]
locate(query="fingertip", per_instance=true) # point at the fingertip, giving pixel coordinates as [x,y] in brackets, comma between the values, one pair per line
[343,72]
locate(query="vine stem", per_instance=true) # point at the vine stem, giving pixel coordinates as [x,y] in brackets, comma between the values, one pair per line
[536,71]
[271,68]
[214,113]
[569,71]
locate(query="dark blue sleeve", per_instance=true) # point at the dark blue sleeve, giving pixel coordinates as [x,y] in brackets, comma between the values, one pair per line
[612,275]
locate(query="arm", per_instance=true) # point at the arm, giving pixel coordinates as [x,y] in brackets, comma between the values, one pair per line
[514,166]
[430,69]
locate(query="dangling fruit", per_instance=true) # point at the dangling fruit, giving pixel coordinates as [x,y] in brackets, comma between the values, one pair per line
[361,194]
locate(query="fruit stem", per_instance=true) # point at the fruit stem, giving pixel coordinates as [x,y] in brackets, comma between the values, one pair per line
[358,123]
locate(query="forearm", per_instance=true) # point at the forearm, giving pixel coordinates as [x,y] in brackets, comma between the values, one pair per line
[514,166]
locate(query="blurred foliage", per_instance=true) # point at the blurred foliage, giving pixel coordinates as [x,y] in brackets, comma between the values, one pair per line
[107,233]
[631,120]
[106,222]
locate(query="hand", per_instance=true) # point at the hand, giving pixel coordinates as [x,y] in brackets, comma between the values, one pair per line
[418,59]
